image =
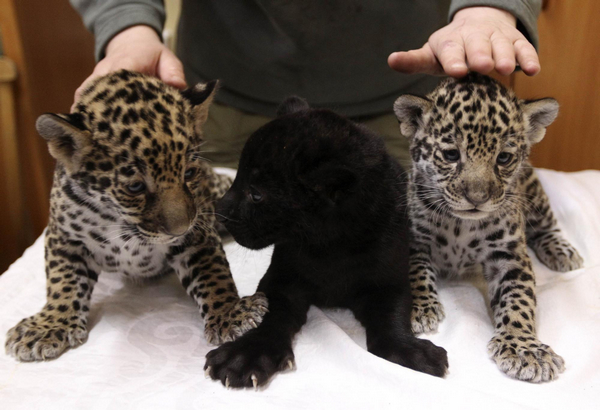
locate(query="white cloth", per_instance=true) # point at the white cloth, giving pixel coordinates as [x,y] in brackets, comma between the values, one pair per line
[146,347]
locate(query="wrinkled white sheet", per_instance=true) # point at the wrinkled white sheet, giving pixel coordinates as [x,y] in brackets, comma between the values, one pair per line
[146,348]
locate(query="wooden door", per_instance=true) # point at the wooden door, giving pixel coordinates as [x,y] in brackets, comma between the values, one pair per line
[53,54]
[569,43]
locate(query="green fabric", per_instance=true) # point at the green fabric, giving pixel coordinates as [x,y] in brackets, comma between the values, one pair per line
[107,18]
[333,53]
[226,131]
[228,128]
[387,127]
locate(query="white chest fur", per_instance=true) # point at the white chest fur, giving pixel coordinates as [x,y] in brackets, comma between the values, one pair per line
[113,247]
[459,245]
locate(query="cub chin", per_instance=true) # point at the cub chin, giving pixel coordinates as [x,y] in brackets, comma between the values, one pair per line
[326,193]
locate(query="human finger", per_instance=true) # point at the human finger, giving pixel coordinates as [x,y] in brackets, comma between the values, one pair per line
[451,55]
[527,56]
[478,50]
[99,70]
[170,69]
[422,60]
[503,54]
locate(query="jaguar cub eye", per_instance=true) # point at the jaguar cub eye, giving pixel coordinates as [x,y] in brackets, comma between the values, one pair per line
[254,195]
[451,155]
[189,173]
[136,188]
[504,158]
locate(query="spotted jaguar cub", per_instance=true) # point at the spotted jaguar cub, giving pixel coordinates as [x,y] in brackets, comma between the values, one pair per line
[475,200]
[131,196]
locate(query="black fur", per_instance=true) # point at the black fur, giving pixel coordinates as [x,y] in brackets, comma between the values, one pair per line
[197,95]
[328,195]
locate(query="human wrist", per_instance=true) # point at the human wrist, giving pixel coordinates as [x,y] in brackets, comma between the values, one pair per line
[134,34]
[485,13]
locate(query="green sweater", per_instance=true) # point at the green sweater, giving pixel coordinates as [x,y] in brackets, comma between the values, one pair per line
[331,52]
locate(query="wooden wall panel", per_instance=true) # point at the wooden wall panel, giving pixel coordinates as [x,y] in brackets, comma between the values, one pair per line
[569,43]
[53,53]
[11,203]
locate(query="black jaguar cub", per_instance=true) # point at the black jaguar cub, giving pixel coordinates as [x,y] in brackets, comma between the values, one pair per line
[328,195]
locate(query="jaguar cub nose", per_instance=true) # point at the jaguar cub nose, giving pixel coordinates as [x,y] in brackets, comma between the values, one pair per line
[178,213]
[177,230]
[477,196]
[176,222]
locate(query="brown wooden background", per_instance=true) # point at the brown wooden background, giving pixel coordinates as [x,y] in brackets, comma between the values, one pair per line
[569,43]
[53,55]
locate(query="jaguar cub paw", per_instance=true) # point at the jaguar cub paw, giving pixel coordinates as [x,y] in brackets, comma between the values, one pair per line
[426,316]
[249,361]
[247,313]
[559,255]
[417,354]
[42,337]
[528,360]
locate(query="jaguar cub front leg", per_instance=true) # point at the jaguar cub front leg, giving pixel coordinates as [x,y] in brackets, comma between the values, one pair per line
[427,311]
[515,346]
[543,234]
[204,273]
[62,322]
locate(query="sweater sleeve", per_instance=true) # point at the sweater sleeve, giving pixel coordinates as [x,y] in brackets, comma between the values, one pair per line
[526,12]
[107,18]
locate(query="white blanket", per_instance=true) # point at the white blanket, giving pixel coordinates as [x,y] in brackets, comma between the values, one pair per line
[146,347]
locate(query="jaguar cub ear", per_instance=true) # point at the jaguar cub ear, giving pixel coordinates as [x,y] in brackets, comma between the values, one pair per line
[201,97]
[539,115]
[68,139]
[334,182]
[409,110]
[291,105]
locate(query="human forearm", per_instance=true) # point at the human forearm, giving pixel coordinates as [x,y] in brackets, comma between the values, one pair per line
[525,11]
[107,18]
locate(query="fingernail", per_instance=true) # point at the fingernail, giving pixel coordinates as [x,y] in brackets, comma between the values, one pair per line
[457,69]
[177,80]
[531,69]
[394,56]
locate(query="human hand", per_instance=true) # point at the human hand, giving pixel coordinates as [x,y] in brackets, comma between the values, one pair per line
[138,48]
[478,39]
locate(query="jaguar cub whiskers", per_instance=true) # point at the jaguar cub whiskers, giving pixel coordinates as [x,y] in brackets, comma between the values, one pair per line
[474,199]
[132,196]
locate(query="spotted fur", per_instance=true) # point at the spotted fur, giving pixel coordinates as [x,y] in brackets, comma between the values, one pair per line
[475,200]
[131,196]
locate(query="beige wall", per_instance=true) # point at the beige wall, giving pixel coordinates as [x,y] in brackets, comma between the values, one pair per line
[173,8]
